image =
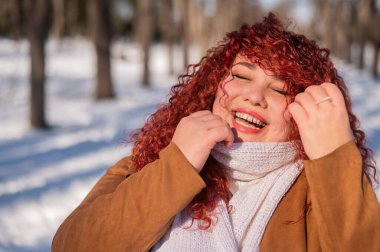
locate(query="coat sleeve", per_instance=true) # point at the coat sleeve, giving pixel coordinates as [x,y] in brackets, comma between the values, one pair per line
[344,207]
[127,211]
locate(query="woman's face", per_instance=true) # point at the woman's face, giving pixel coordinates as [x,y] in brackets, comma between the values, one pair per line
[255,105]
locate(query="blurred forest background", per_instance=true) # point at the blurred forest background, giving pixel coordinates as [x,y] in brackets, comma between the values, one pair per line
[347,27]
[91,71]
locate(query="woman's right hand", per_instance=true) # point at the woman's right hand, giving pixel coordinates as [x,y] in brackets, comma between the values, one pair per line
[198,133]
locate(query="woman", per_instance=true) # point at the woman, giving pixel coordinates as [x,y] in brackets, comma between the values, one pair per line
[219,168]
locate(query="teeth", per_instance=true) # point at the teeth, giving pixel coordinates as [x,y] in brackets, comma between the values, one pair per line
[249,119]
[246,124]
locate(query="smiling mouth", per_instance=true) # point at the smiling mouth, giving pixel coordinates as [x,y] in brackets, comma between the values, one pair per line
[248,121]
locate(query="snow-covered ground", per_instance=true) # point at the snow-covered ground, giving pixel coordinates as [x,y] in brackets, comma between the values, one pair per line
[45,174]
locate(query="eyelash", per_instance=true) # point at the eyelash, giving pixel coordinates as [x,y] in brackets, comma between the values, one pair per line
[239,77]
[280,91]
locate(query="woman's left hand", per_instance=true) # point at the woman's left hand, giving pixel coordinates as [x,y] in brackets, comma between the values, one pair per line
[322,119]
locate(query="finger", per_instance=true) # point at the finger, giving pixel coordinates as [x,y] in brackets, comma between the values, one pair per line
[230,138]
[216,122]
[334,92]
[321,97]
[209,117]
[307,102]
[298,113]
[316,91]
[222,133]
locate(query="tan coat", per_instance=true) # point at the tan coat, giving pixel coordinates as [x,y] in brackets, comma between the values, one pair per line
[130,211]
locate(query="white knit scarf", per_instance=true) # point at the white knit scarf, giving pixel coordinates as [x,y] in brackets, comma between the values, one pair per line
[268,171]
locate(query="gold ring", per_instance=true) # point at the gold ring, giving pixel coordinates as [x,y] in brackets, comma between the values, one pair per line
[327,98]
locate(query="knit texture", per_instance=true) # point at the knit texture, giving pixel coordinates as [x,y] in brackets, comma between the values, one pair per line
[268,171]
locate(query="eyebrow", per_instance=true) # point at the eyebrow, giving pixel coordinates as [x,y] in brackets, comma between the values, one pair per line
[253,67]
[246,64]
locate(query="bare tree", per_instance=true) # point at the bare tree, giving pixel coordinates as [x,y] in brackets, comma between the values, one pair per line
[365,15]
[144,35]
[39,11]
[71,17]
[210,21]
[375,63]
[167,27]
[328,19]
[77,16]
[186,31]
[375,40]
[351,27]
[10,17]
[354,21]
[99,13]
[342,30]
[58,18]
[15,18]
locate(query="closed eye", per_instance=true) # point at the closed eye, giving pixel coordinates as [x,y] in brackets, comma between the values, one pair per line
[238,76]
[280,91]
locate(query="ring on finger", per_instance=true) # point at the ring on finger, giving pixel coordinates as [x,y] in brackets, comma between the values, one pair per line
[327,98]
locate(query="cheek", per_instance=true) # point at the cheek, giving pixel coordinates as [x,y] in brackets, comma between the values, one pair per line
[219,93]
[224,95]
[283,122]
[232,89]
[219,102]
[223,98]
[281,107]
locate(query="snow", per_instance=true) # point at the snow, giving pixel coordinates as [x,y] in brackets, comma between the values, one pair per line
[45,174]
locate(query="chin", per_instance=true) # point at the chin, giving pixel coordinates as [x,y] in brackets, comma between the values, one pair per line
[242,137]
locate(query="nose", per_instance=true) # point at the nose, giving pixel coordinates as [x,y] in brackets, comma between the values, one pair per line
[255,94]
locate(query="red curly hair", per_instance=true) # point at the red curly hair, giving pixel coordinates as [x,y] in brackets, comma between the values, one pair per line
[296,60]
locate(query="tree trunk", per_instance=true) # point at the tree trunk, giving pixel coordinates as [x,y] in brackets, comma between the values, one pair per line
[364,15]
[186,33]
[99,14]
[361,55]
[352,26]
[72,17]
[58,18]
[15,16]
[144,35]
[40,11]
[167,25]
[341,30]
[375,63]
[170,46]
[348,57]
[329,20]
[374,36]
